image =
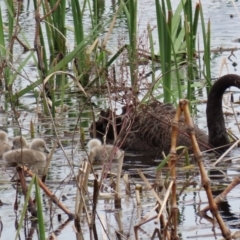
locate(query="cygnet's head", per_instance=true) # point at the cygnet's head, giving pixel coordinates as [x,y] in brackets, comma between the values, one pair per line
[3,136]
[39,145]
[94,143]
[19,142]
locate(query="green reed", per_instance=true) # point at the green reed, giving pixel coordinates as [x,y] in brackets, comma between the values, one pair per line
[56,42]
[164,26]
[176,42]
[41,227]
[40,218]
[151,44]
[7,53]
[168,30]
[191,32]
[82,60]
[58,30]
[3,50]
[130,9]
[207,50]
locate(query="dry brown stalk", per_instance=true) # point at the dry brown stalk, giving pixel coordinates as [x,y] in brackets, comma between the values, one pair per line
[221,197]
[159,203]
[172,167]
[120,232]
[127,184]
[37,43]
[103,223]
[225,153]
[54,8]
[117,199]
[60,228]
[31,205]
[234,114]
[48,162]
[16,30]
[96,189]
[166,196]
[53,198]
[137,196]
[183,104]
[150,187]
[82,181]
[98,184]
[156,232]
[94,131]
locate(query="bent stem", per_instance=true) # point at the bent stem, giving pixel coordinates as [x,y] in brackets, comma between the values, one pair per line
[183,105]
[53,197]
[172,167]
[160,203]
[117,199]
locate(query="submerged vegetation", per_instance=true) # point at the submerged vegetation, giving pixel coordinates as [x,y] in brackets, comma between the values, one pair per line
[92,66]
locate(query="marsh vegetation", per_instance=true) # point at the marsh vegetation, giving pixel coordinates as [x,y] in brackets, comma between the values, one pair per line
[60,63]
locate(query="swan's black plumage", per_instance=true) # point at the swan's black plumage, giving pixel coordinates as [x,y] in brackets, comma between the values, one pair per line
[148,127]
[216,127]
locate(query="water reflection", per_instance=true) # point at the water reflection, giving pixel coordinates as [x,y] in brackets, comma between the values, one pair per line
[121,221]
[226,210]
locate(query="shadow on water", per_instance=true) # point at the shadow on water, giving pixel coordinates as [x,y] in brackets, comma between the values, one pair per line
[228,214]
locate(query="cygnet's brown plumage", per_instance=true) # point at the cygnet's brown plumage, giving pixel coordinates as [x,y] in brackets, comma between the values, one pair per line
[35,153]
[19,142]
[148,127]
[4,145]
[103,152]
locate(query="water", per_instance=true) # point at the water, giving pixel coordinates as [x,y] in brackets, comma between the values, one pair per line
[60,176]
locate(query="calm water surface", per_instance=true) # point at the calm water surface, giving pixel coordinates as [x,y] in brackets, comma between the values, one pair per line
[60,177]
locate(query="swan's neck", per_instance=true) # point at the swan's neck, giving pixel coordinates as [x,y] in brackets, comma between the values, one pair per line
[215,121]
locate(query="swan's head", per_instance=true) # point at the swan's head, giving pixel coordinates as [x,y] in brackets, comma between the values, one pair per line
[3,137]
[103,126]
[39,145]
[19,142]
[94,143]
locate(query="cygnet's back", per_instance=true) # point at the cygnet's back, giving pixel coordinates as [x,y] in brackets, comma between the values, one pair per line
[19,142]
[4,145]
[103,152]
[36,153]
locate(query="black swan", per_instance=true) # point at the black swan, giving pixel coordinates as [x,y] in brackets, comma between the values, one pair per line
[148,128]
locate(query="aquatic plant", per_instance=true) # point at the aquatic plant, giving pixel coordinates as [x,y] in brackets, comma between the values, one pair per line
[29,206]
[88,60]
[94,68]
